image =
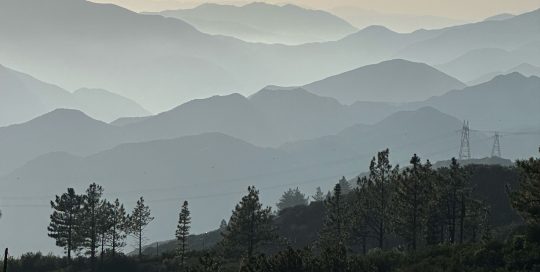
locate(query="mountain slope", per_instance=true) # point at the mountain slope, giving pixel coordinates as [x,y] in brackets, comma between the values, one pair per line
[392,81]
[24,98]
[58,131]
[256,22]
[507,102]
[455,41]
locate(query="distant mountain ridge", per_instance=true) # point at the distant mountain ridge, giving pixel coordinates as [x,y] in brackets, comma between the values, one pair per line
[164,61]
[389,81]
[256,22]
[24,98]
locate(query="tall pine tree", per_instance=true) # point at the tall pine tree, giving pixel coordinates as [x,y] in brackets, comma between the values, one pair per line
[118,229]
[411,201]
[378,186]
[250,225]
[91,216]
[65,221]
[292,198]
[336,227]
[138,222]
[182,233]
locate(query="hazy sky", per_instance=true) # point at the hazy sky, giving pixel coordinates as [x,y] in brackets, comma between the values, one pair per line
[458,9]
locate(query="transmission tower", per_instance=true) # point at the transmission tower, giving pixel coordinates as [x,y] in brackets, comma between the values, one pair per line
[496,149]
[465,148]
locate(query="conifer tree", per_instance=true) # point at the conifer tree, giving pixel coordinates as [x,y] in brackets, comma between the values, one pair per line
[378,191]
[250,225]
[104,224]
[138,222]
[526,199]
[292,198]
[182,233]
[411,201]
[65,221]
[319,195]
[91,216]
[335,231]
[345,186]
[118,229]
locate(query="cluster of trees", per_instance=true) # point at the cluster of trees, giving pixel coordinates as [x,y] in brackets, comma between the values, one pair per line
[87,222]
[413,219]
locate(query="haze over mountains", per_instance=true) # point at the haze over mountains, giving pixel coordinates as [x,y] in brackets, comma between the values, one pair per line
[162,62]
[24,98]
[261,22]
[214,128]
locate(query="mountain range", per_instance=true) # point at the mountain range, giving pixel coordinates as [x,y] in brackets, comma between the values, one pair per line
[24,98]
[262,22]
[162,62]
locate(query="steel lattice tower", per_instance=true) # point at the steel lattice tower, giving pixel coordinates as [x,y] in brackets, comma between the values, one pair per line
[465,148]
[496,149]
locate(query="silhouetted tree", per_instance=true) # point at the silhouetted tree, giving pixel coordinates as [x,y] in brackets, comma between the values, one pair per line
[526,199]
[345,186]
[250,225]
[138,222]
[292,198]
[411,201]
[378,186]
[119,224]
[104,224]
[319,195]
[92,203]
[182,233]
[65,221]
[335,231]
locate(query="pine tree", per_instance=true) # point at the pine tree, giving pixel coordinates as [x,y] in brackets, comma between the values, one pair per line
[318,196]
[138,222]
[526,199]
[250,225]
[182,233]
[411,201]
[345,186]
[335,231]
[104,224]
[378,186]
[65,221]
[292,198]
[91,213]
[118,229]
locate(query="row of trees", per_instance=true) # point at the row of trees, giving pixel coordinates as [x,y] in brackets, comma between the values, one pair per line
[414,209]
[84,223]
[418,206]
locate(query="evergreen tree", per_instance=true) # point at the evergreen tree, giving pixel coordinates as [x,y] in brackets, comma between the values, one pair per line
[118,229]
[182,233]
[456,194]
[526,199]
[292,198]
[104,224]
[360,230]
[138,222]
[345,186]
[92,203]
[411,201]
[378,186]
[335,231]
[250,225]
[319,195]
[65,221]
[223,225]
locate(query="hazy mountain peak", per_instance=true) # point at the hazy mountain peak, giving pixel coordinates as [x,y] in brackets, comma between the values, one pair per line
[394,80]
[69,116]
[500,17]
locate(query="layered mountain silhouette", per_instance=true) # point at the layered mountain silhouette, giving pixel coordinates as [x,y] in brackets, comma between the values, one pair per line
[392,81]
[258,22]
[202,166]
[507,102]
[24,98]
[454,41]
[165,61]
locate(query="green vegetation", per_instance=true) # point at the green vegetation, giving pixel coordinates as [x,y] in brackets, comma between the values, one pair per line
[415,218]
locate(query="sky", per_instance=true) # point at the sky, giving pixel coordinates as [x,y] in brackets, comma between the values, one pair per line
[455,9]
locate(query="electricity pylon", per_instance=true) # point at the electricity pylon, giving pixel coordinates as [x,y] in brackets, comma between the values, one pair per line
[496,149]
[465,148]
